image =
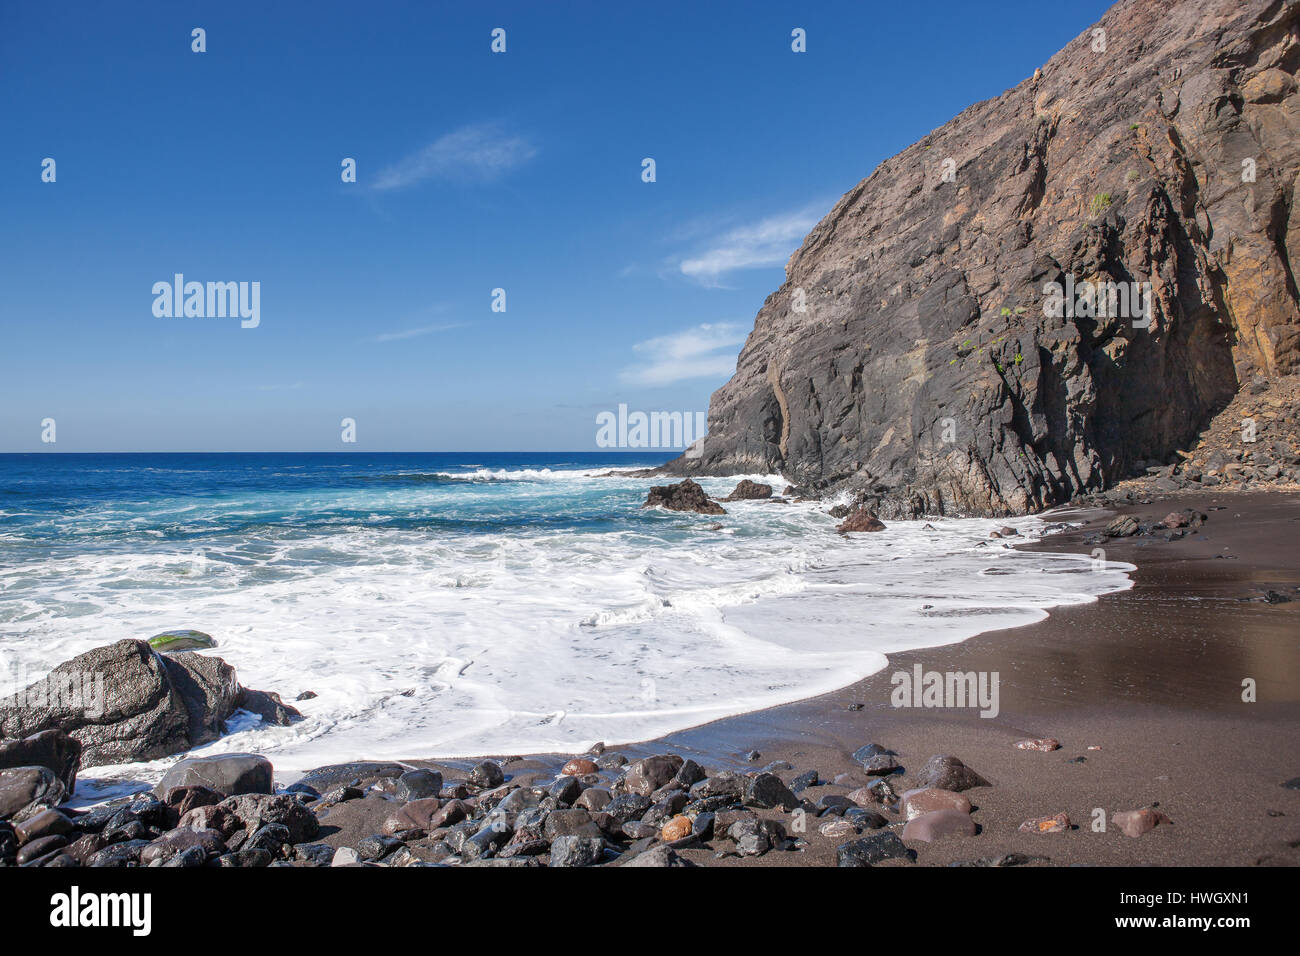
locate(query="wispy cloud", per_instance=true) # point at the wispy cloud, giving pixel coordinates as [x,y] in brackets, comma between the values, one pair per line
[706,351]
[422,330]
[279,388]
[766,243]
[481,152]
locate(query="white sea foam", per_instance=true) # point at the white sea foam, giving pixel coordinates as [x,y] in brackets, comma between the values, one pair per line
[420,643]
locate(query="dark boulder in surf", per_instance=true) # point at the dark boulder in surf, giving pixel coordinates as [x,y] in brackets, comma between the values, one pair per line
[683,496]
[125,702]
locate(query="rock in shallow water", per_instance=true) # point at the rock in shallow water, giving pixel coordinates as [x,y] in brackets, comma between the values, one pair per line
[683,496]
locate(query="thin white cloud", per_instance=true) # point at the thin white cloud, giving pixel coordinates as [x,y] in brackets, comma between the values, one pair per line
[412,333]
[482,152]
[706,351]
[766,243]
[279,388]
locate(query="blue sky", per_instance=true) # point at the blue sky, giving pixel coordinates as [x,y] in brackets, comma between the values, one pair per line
[475,171]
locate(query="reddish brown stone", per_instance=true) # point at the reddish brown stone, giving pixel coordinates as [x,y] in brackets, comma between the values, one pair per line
[676,829]
[1134,823]
[930,799]
[938,824]
[861,520]
[578,767]
[416,815]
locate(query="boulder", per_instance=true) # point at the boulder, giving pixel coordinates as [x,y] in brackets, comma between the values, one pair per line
[227,774]
[124,702]
[862,519]
[767,791]
[359,774]
[683,496]
[268,706]
[418,785]
[254,811]
[55,749]
[26,791]
[749,491]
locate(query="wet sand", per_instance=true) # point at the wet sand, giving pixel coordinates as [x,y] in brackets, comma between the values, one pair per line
[1152,676]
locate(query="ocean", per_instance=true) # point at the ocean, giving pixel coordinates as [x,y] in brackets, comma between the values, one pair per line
[443,605]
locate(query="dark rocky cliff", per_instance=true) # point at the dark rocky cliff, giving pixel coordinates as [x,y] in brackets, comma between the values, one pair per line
[923,369]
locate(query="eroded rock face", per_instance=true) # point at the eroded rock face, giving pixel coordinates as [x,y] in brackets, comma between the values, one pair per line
[909,354]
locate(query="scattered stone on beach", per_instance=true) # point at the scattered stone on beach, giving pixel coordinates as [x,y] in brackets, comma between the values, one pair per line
[861,520]
[686,495]
[929,799]
[754,837]
[804,780]
[945,772]
[1053,824]
[767,791]
[871,850]
[172,642]
[1122,527]
[865,753]
[749,491]
[838,829]
[579,767]
[937,824]
[648,774]
[576,851]
[1041,744]
[1134,823]
[54,749]
[678,828]
[227,774]
[881,765]
[658,856]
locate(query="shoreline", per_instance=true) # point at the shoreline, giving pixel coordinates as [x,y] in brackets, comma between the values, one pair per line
[1150,674]
[1140,689]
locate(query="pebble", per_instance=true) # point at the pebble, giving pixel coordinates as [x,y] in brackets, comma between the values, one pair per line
[1054,824]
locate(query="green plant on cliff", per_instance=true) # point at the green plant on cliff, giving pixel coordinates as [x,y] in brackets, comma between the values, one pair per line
[1100,203]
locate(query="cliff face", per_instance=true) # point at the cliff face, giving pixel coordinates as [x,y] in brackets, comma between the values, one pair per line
[913,354]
